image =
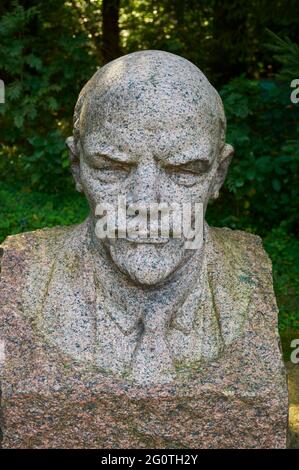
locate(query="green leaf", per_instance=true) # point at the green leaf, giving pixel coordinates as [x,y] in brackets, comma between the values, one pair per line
[276,184]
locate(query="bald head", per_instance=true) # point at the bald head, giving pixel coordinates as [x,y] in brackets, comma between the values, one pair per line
[153,91]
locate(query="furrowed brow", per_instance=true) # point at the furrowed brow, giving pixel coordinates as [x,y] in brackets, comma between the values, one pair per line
[108,153]
[179,160]
[188,157]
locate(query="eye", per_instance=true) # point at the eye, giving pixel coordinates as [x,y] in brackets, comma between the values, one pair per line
[110,171]
[113,173]
[187,174]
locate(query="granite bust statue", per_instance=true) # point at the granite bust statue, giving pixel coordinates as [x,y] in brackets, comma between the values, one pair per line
[147,314]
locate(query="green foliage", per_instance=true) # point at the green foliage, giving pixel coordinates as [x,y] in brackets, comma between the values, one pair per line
[286,53]
[43,67]
[223,38]
[284,251]
[23,210]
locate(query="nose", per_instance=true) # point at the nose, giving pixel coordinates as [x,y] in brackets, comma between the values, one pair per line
[145,187]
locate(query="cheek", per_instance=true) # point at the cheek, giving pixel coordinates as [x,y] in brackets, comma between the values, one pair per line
[95,190]
[199,192]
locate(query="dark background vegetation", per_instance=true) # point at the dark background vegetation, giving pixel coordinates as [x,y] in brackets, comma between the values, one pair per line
[48,50]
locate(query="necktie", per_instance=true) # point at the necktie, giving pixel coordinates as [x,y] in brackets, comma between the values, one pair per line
[152,362]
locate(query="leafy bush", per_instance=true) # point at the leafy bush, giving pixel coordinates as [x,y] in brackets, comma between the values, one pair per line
[43,67]
[23,210]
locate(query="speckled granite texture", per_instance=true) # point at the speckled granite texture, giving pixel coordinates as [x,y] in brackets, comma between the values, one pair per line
[121,342]
[50,399]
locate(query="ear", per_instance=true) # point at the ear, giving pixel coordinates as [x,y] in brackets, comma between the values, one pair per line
[74,161]
[224,161]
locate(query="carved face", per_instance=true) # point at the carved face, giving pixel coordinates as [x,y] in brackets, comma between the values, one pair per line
[151,135]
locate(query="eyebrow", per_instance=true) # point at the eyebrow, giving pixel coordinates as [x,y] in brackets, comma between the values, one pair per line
[109,154]
[181,159]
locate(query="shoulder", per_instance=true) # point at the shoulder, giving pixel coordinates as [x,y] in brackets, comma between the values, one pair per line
[28,243]
[241,259]
[240,277]
[33,252]
[16,249]
[31,240]
[232,239]
[241,247]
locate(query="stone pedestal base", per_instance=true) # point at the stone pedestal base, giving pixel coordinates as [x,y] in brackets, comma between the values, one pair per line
[58,405]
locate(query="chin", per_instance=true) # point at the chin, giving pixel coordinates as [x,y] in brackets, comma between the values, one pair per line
[147,264]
